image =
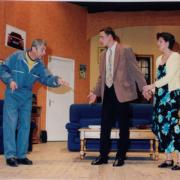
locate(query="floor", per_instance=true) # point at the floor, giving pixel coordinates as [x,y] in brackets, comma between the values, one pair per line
[53,161]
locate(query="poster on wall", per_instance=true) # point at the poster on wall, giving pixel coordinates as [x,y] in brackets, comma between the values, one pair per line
[15,37]
[82,71]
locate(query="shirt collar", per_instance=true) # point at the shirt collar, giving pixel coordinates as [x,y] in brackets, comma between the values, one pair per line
[26,51]
[113,46]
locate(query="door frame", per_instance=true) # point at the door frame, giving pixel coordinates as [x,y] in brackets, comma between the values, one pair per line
[60,59]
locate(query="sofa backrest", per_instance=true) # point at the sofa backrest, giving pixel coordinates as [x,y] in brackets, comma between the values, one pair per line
[141,114]
[85,114]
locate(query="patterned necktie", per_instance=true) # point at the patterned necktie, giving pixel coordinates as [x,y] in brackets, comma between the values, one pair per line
[109,77]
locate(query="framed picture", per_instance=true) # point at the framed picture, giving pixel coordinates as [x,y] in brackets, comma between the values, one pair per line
[82,71]
[15,37]
[145,63]
[100,50]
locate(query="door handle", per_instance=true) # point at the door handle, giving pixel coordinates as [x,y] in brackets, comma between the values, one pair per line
[50,102]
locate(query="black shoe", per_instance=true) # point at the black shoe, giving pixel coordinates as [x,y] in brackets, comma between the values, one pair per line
[166,164]
[12,162]
[118,162]
[100,160]
[176,167]
[24,161]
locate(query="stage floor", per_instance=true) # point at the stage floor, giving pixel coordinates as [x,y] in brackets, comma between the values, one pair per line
[53,161]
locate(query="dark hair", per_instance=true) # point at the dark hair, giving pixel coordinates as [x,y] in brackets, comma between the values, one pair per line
[117,39]
[109,31]
[168,37]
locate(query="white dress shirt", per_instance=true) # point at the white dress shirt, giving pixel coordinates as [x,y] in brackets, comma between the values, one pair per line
[113,48]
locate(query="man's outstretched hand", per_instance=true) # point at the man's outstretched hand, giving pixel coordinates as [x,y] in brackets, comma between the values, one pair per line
[92,98]
[63,82]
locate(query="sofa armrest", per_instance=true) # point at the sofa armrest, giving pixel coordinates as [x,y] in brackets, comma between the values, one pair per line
[72,126]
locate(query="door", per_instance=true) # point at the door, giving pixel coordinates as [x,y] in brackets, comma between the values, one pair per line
[59,99]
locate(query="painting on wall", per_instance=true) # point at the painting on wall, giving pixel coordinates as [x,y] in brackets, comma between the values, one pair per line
[82,71]
[145,63]
[15,37]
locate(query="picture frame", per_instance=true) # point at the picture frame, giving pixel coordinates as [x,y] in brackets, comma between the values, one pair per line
[82,71]
[15,37]
[100,50]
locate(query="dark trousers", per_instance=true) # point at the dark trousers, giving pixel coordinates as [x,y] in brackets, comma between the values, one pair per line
[113,110]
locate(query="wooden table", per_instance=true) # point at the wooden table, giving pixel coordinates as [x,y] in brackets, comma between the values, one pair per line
[94,133]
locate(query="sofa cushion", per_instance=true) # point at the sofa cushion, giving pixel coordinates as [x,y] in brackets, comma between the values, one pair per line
[141,111]
[85,122]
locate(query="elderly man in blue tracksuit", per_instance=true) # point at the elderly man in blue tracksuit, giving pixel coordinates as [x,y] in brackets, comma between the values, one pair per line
[19,72]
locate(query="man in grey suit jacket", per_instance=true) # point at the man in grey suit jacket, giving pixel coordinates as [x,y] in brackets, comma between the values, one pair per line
[119,74]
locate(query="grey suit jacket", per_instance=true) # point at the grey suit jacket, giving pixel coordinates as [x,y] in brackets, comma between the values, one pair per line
[126,75]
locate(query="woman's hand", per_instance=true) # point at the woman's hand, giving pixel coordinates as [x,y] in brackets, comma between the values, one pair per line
[148,87]
[147,94]
[148,91]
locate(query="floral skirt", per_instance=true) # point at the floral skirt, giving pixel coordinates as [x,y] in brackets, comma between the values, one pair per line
[166,123]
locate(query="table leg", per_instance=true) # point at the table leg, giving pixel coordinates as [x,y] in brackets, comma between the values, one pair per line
[156,149]
[85,142]
[151,149]
[82,150]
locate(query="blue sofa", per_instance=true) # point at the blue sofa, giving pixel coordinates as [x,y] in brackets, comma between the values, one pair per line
[1,128]
[82,115]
